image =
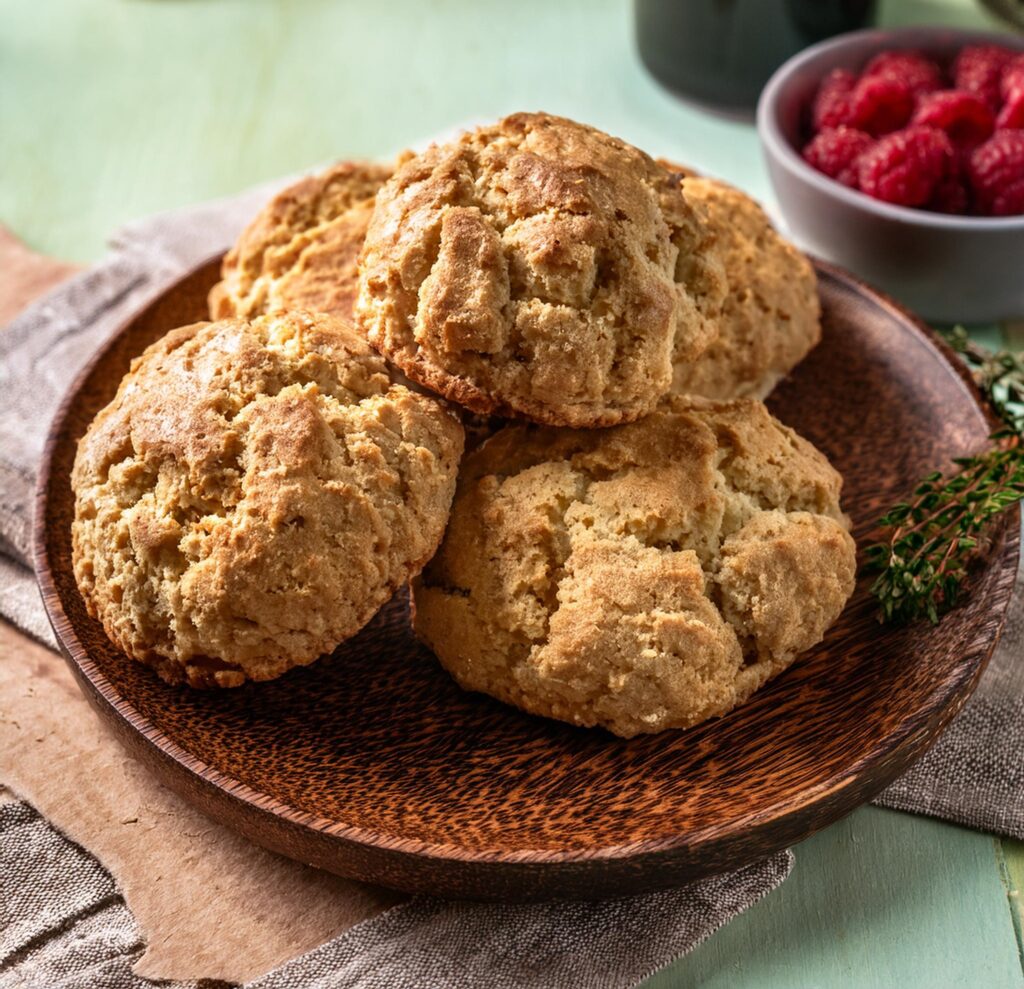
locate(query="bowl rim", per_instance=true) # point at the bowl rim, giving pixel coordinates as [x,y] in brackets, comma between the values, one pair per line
[777,146]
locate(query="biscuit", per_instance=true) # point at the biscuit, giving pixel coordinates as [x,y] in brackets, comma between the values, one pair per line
[771,318]
[539,268]
[644,577]
[300,251]
[253,494]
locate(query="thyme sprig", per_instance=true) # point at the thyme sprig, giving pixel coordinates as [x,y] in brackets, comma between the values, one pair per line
[999,374]
[929,541]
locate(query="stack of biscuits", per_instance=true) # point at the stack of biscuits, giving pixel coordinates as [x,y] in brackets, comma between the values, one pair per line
[632,540]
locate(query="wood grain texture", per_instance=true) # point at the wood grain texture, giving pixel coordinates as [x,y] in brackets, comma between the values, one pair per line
[375,765]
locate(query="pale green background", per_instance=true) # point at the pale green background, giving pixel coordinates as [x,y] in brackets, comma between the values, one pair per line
[112,109]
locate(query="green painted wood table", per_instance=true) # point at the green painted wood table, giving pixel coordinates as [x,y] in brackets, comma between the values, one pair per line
[113,110]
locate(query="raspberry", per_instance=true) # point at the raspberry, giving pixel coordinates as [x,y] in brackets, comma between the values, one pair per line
[880,104]
[906,167]
[978,69]
[1011,116]
[918,73]
[996,171]
[832,103]
[1011,81]
[897,134]
[965,118]
[835,151]
[951,194]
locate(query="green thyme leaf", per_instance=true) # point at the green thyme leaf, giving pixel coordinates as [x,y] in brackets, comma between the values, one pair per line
[928,542]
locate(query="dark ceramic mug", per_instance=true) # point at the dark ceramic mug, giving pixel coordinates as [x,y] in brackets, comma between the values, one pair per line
[719,53]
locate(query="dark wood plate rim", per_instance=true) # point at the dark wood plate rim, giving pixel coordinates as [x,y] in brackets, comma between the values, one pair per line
[905,743]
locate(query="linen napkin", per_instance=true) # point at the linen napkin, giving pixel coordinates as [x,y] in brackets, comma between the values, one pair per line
[974,775]
[68,929]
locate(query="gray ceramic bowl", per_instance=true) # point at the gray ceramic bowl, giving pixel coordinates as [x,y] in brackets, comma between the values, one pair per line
[947,268]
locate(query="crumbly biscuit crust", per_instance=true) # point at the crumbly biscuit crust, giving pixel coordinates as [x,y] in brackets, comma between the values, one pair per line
[542,269]
[644,577]
[300,251]
[253,494]
[771,317]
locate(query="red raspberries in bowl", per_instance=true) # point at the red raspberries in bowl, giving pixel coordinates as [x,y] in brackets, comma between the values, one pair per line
[905,167]
[996,170]
[876,104]
[918,73]
[913,132]
[835,151]
[965,118]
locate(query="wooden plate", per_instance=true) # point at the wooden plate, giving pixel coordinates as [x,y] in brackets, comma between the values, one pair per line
[373,764]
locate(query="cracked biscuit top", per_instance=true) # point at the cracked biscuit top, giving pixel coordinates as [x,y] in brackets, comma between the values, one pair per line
[542,269]
[253,494]
[770,319]
[640,578]
[301,250]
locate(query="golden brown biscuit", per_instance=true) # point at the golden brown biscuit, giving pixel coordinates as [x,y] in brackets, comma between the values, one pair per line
[539,268]
[253,494]
[644,577]
[771,318]
[301,250]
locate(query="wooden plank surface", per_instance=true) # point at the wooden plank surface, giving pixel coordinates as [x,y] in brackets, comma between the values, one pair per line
[111,111]
[880,900]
